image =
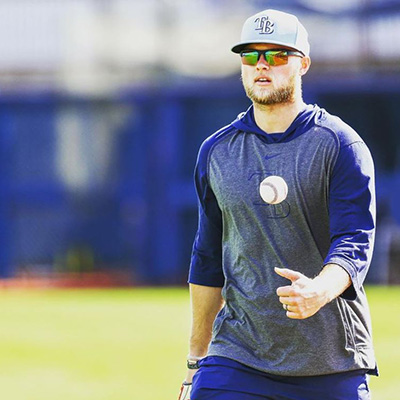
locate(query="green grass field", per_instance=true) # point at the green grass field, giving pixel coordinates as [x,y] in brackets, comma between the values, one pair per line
[129,344]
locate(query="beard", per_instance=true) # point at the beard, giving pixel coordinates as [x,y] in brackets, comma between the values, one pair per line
[266,97]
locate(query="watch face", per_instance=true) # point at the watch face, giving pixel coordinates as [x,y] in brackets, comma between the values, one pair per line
[191,364]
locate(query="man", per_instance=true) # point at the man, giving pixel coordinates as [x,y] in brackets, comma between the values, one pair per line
[278,307]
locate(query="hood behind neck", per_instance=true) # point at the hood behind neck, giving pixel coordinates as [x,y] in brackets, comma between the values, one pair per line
[246,122]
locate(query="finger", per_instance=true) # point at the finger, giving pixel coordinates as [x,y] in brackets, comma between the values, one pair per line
[288,301]
[297,313]
[293,315]
[290,307]
[285,291]
[293,276]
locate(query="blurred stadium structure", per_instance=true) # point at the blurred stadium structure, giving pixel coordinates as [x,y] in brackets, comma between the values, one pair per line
[105,102]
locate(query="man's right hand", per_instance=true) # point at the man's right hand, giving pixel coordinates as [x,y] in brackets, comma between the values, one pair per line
[184,394]
[189,375]
[187,385]
[206,302]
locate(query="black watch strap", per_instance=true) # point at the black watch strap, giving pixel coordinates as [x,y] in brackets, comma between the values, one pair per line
[193,364]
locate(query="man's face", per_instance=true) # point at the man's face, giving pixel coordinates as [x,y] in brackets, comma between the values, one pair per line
[268,85]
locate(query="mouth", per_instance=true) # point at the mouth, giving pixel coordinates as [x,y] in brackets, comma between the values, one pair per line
[263,80]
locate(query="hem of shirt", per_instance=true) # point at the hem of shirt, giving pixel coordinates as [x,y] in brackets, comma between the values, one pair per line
[208,280]
[369,371]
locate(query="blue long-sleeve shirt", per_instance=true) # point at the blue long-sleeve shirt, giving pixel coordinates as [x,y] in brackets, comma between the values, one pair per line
[327,217]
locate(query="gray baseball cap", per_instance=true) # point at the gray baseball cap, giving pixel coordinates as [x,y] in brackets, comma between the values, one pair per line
[274,27]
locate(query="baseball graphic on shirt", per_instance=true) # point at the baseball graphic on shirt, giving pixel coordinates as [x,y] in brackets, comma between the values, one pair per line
[273,189]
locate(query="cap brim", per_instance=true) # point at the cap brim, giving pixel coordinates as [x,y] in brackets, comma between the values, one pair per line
[237,48]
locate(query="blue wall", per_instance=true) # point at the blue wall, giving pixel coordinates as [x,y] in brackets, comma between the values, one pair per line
[109,180]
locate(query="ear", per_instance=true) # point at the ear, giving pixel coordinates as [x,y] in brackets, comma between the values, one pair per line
[305,65]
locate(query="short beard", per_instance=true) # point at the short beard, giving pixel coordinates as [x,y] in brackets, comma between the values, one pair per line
[279,96]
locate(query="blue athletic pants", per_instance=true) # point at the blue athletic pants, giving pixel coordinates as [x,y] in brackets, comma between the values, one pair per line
[220,378]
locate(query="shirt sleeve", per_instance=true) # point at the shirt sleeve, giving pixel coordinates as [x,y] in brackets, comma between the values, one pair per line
[206,260]
[352,214]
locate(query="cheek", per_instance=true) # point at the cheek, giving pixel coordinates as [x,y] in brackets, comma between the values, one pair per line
[284,76]
[295,67]
[246,73]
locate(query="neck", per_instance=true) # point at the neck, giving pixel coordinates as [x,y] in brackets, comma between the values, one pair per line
[277,118]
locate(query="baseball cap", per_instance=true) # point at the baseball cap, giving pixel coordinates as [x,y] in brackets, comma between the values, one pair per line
[274,27]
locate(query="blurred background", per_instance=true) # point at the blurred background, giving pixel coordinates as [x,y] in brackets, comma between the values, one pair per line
[104,103]
[103,106]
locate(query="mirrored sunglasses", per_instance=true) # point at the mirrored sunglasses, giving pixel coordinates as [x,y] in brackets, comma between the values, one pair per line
[272,57]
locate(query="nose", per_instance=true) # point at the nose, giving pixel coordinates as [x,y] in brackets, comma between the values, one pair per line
[262,63]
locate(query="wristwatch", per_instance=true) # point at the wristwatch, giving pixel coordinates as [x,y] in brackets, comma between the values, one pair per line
[193,364]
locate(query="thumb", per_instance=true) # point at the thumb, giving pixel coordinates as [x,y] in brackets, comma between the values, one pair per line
[289,274]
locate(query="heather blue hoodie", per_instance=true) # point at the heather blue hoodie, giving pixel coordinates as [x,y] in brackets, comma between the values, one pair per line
[327,217]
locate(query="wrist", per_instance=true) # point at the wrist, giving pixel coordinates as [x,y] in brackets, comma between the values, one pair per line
[189,376]
[333,280]
[323,291]
[192,362]
[194,358]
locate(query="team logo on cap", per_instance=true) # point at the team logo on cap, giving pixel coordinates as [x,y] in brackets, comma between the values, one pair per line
[264,25]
